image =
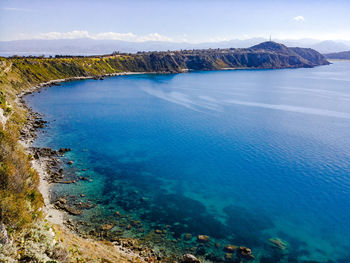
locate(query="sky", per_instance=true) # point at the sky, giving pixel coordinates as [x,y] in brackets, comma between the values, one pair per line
[174,20]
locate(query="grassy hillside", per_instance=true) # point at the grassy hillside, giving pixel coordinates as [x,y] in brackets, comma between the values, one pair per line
[19,198]
[33,238]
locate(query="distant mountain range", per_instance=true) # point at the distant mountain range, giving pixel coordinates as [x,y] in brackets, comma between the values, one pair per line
[339,55]
[88,46]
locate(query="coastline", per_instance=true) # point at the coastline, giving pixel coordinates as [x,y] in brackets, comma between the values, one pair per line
[53,215]
[20,75]
[123,250]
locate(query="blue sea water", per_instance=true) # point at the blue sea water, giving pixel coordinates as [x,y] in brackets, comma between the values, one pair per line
[241,156]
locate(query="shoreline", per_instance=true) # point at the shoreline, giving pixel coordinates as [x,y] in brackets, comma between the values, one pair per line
[128,248]
[30,133]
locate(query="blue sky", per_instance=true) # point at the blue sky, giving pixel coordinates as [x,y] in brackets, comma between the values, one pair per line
[180,20]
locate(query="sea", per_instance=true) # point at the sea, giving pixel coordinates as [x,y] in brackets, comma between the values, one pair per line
[253,158]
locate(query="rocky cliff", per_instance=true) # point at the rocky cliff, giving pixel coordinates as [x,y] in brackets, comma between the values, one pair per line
[265,55]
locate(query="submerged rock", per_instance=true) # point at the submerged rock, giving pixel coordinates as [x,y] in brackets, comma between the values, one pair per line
[73,211]
[230,248]
[64,150]
[278,243]
[189,258]
[107,227]
[187,236]
[246,253]
[61,204]
[228,256]
[84,178]
[203,238]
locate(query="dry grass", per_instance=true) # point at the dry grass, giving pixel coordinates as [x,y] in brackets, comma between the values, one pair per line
[88,250]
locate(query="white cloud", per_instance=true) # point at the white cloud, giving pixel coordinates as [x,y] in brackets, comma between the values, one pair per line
[103,35]
[63,35]
[299,18]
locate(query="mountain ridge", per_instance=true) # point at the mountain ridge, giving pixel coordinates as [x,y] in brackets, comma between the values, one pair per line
[345,55]
[88,46]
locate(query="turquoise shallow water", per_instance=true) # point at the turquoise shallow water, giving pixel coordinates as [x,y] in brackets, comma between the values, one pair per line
[241,156]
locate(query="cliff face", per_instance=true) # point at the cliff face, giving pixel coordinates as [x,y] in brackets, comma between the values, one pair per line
[267,55]
[264,55]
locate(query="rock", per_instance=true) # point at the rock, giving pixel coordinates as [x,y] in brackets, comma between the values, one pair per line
[83,178]
[189,258]
[203,238]
[73,211]
[65,182]
[230,248]
[278,243]
[187,236]
[86,205]
[62,200]
[61,204]
[228,256]
[245,253]
[135,223]
[200,250]
[4,238]
[107,227]
[64,150]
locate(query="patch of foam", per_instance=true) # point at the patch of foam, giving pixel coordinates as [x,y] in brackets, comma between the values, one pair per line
[182,99]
